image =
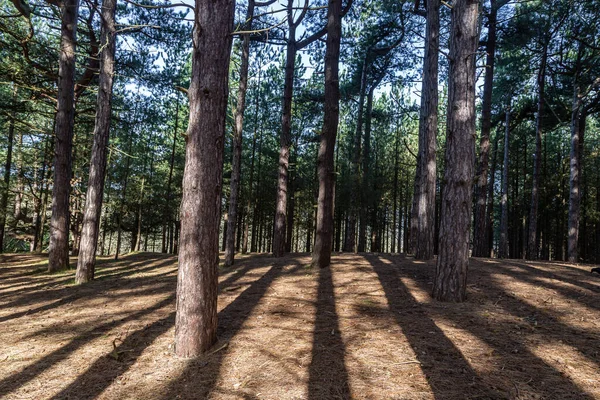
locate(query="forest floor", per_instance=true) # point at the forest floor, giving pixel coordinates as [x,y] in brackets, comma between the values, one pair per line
[366,328]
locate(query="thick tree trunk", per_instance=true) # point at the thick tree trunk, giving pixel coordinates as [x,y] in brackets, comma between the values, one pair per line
[532,245]
[450,281]
[423,213]
[237,141]
[59,223]
[325,207]
[503,248]
[480,237]
[196,320]
[93,200]
[5,189]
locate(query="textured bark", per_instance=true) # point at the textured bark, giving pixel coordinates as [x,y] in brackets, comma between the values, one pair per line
[450,281]
[4,196]
[325,206]
[480,238]
[93,200]
[532,247]
[503,249]
[279,235]
[236,166]
[59,223]
[196,319]
[423,213]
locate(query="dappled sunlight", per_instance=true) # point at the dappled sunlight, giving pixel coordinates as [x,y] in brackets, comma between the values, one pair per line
[366,327]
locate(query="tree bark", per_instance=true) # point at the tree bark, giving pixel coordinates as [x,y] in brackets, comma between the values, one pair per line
[480,238]
[59,223]
[450,281]
[423,213]
[503,249]
[167,214]
[532,247]
[196,319]
[95,192]
[237,141]
[325,206]
[578,121]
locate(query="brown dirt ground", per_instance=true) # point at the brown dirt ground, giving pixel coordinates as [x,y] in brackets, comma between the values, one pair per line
[365,328]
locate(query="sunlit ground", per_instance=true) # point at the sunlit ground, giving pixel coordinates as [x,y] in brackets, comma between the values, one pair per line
[365,328]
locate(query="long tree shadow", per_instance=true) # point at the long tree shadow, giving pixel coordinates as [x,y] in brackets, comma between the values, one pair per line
[328,377]
[200,376]
[69,294]
[449,375]
[514,359]
[90,384]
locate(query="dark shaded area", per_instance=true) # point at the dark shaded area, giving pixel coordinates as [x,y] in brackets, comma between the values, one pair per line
[328,377]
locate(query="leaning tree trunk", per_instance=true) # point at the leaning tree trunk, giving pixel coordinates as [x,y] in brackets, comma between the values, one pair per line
[323,240]
[59,223]
[480,237]
[532,248]
[450,281]
[93,200]
[236,166]
[423,213]
[503,249]
[196,320]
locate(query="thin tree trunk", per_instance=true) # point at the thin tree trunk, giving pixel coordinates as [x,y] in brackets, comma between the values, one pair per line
[196,319]
[480,238]
[59,224]
[532,247]
[395,194]
[237,141]
[93,201]
[578,122]
[355,202]
[325,207]
[20,186]
[138,236]
[503,247]
[167,214]
[490,200]
[450,281]
[123,197]
[7,167]
[366,179]
[423,213]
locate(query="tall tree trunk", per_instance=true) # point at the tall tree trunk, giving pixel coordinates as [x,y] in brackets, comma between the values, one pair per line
[503,249]
[578,121]
[196,320]
[490,200]
[355,202]
[423,213]
[93,200]
[138,235]
[279,234]
[325,207]
[366,178]
[167,214]
[20,186]
[395,194]
[450,283]
[480,238]
[532,245]
[123,198]
[237,141]
[7,167]
[59,223]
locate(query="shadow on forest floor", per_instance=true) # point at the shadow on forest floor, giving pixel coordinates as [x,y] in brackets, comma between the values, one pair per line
[364,328]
